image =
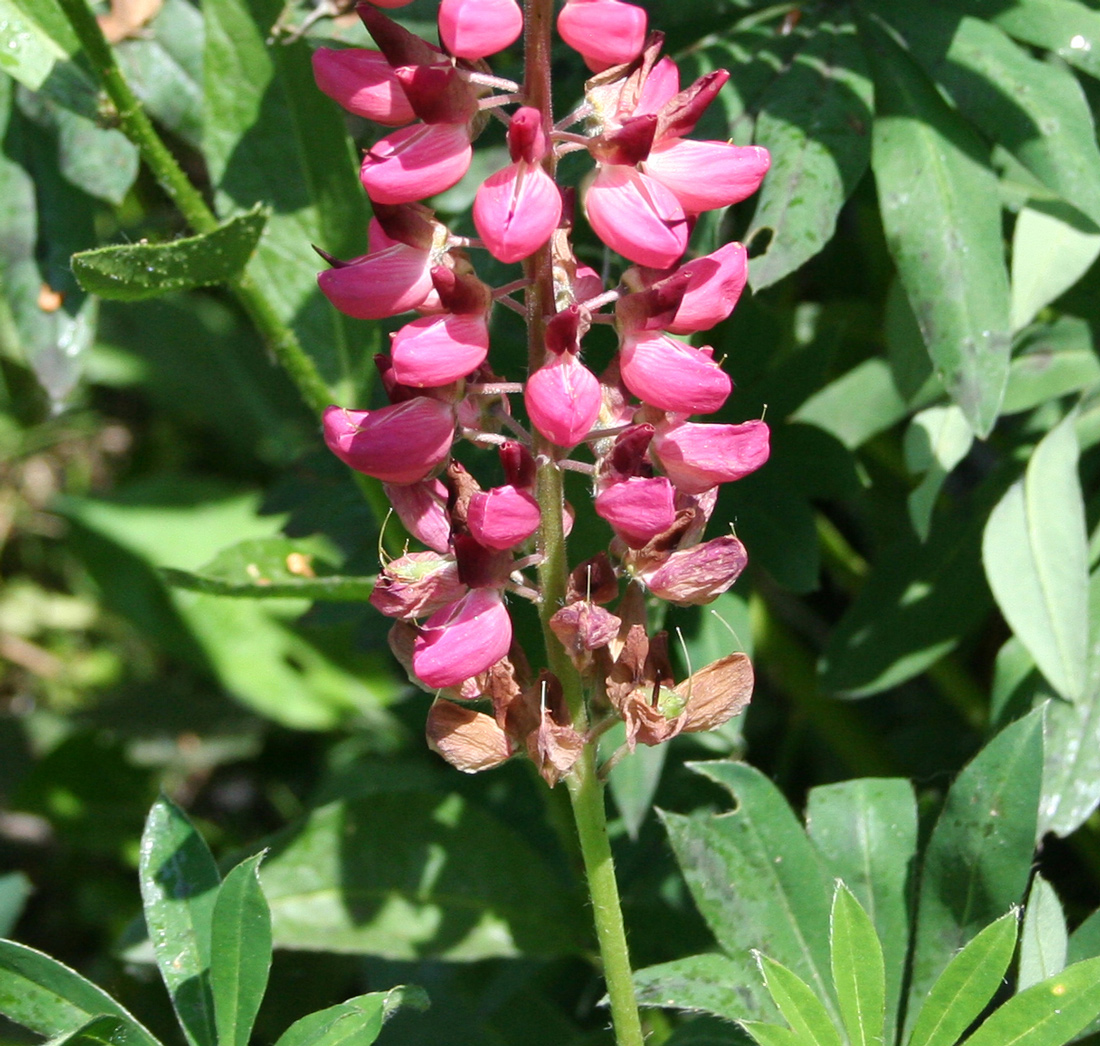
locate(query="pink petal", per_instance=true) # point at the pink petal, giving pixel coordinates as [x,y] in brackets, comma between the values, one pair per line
[436,350]
[463,639]
[477,28]
[715,286]
[638,509]
[422,509]
[696,457]
[672,375]
[516,211]
[563,400]
[377,285]
[707,175]
[502,517]
[363,82]
[605,32]
[399,444]
[416,162]
[662,84]
[636,216]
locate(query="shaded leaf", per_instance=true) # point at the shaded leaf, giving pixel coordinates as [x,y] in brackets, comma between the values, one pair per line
[105,1031]
[1068,28]
[276,567]
[179,886]
[938,196]
[1052,248]
[859,974]
[709,983]
[414,875]
[1044,937]
[815,120]
[937,439]
[1048,1013]
[1035,552]
[1052,361]
[978,859]
[15,888]
[355,1022]
[750,900]
[50,999]
[634,778]
[871,385]
[965,987]
[866,830]
[146,270]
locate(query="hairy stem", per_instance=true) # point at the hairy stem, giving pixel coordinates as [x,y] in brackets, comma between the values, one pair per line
[136,125]
[585,788]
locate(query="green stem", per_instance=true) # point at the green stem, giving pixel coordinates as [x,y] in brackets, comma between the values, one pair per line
[136,125]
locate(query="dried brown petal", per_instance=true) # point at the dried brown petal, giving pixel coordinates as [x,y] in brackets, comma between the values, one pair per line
[717,692]
[593,580]
[468,740]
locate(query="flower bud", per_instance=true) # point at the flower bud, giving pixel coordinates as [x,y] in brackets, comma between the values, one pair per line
[673,375]
[637,216]
[638,509]
[469,740]
[363,82]
[502,517]
[378,285]
[696,457]
[416,162]
[605,32]
[563,400]
[436,350]
[478,28]
[417,584]
[398,444]
[422,509]
[698,575]
[732,172]
[527,138]
[516,210]
[462,639]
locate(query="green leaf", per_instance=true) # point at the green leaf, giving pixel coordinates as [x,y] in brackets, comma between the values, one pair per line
[15,888]
[1049,1013]
[634,778]
[1068,28]
[179,885]
[269,134]
[771,1034]
[146,270]
[276,567]
[1035,551]
[745,895]
[1052,361]
[801,1008]
[1084,942]
[866,830]
[710,983]
[240,952]
[939,195]
[966,985]
[815,120]
[104,1031]
[416,875]
[871,385]
[29,52]
[50,999]
[356,1022]
[978,859]
[1053,246]
[937,439]
[859,974]
[1044,938]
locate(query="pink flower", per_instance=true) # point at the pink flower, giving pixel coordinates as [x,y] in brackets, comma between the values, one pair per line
[422,509]
[605,32]
[563,400]
[696,457]
[417,584]
[638,509]
[637,216]
[716,283]
[707,175]
[401,443]
[477,28]
[416,162]
[502,517]
[436,350]
[697,575]
[381,284]
[462,639]
[661,85]
[672,375]
[363,82]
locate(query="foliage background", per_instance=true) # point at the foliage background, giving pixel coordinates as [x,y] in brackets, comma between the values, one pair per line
[924,312]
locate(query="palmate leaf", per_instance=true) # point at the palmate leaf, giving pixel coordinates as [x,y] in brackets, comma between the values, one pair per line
[707,983]
[800,1007]
[941,213]
[859,974]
